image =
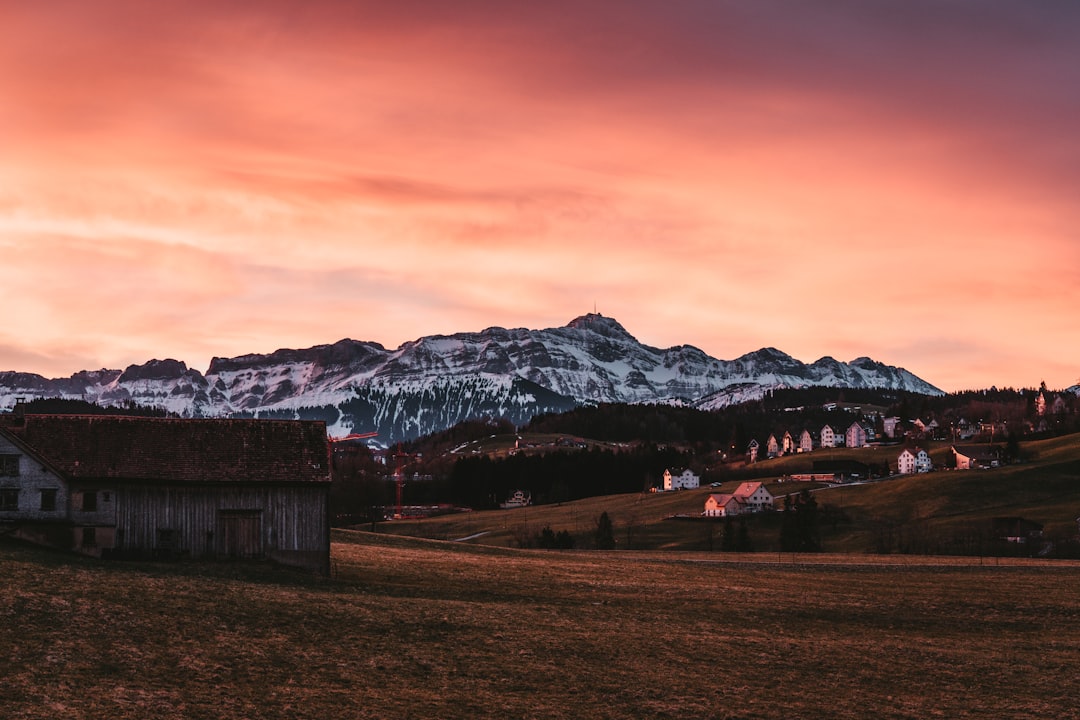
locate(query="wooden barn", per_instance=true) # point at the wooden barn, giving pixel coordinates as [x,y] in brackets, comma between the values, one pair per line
[140,487]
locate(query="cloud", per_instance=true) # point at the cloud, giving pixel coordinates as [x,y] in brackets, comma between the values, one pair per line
[726,174]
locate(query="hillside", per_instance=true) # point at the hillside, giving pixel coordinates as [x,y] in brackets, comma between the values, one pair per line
[412,628]
[939,512]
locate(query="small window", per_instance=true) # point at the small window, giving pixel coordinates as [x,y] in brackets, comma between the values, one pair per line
[89,537]
[106,497]
[89,501]
[48,500]
[9,499]
[9,465]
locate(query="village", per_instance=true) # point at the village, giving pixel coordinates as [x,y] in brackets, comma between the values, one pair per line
[161,488]
[910,458]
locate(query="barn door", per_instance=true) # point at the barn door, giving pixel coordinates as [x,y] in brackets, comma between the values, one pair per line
[241,533]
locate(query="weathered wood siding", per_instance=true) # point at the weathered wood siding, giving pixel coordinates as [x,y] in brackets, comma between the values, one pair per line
[286,523]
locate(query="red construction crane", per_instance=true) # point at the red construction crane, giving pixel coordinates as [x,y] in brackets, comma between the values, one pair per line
[354,436]
[399,480]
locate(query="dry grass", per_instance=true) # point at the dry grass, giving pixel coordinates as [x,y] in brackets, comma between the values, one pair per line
[422,629]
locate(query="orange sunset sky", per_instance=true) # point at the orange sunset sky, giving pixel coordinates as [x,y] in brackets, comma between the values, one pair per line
[892,178]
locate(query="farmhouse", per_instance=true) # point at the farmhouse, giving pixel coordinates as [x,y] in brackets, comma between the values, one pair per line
[974,457]
[752,451]
[519,498]
[723,505]
[685,480]
[749,497]
[1017,529]
[754,496]
[913,460]
[856,435]
[889,425]
[772,447]
[158,487]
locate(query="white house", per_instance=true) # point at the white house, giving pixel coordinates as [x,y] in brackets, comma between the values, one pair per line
[772,448]
[750,497]
[913,460]
[754,496]
[686,480]
[806,442]
[855,435]
[519,498]
[889,425]
[723,505]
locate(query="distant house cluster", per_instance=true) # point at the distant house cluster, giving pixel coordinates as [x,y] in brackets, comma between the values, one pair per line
[750,497]
[911,459]
[858,434]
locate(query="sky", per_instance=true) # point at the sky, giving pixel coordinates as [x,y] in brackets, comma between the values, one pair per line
[896,179]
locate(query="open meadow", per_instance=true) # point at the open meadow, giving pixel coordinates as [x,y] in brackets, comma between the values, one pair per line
[942,512]
[410,628]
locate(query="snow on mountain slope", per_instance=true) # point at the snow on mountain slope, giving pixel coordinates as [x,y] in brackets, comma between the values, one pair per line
[434,382]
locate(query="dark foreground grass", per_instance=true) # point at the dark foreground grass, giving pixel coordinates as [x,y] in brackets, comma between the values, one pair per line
[420,629]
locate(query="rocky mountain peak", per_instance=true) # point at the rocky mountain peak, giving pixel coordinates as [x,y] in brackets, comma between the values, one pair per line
[436,381]
[597,323]
[154,370]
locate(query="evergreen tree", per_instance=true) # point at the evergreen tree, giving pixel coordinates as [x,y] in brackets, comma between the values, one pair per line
[799,526]
[564,540]
[789,532]
[809,537]
[742,539]
[727,543]
[547,538]
[605,532]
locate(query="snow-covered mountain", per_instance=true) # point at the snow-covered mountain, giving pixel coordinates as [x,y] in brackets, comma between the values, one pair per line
[434,382]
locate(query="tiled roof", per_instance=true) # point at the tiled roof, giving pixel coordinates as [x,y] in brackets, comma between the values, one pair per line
[724,498]
[746,489]
[179,450]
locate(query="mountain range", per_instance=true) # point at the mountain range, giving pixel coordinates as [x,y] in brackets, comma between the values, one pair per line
[437,381]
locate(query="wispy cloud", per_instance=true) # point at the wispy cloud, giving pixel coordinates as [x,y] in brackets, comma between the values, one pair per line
[190,179]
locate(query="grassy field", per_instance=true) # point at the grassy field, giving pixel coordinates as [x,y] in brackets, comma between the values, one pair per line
[412,628]
[939,506]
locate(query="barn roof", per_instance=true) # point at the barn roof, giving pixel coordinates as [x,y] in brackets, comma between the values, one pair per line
[746,489]
[178,450]
[723,499]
